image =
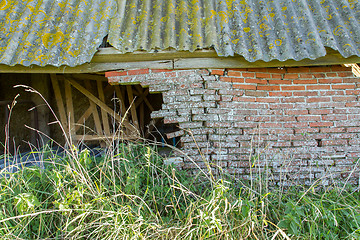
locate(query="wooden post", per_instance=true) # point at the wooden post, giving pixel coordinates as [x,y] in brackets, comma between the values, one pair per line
[41,83]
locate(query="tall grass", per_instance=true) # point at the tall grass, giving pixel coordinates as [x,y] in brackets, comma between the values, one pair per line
[129,193]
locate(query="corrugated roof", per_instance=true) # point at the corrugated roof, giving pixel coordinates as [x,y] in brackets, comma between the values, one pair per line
[258,30]
[52,32]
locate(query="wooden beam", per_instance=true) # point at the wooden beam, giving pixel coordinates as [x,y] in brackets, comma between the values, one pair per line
[132,107]
[89,77]
[94,110]
[120,96]
[59,100]
[104,117]
[69,108]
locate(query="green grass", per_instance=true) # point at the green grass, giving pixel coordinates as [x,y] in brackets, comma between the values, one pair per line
[131,194]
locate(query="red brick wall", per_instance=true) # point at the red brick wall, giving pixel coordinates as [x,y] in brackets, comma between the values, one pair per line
[298,124]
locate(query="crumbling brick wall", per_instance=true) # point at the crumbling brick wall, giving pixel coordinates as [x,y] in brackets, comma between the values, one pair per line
[300,123]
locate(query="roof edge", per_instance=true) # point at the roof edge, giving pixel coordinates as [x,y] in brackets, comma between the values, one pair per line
[109,59]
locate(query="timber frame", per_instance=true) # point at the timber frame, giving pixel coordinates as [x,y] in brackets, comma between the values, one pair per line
[110,59]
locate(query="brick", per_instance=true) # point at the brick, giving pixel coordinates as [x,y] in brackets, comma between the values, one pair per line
[237,80]
[318,99]
[267,100]
[248,75]
[306,76]
[231,92]
[332,130]
[255,93]
[352,92]
[333,142]
[176,119]
[217,72]
[170,74]
[317,87]
[226,98]
[234,73]
[320,111]
[186,125]
[291,76]
[268,88]
[116,73]
[292,88]
[308,118]
[295,99]
[330,93]
[345,74]
[244,99]
[184,73]
[296,112]
[306,93]
[271,81]
[163,113]
[199,91]
[343,86]
[330,80]
[242,86]
[226,79]
[306,130]
[351,80]
[301,81]
[138,71]
[175,134]
[353,104]
[276,76]
[257,81]
[296,125]
[321,124]
[211,97]
[263,75]
[205,117]
[344,98]
[217,85]
[353,129]
[319,75]
[282,94]
[217,124]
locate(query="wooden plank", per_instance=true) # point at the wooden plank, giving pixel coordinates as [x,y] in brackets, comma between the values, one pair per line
[59,100]
[101,105]
[132,107]
[69,108]
[94,110]
[104,116]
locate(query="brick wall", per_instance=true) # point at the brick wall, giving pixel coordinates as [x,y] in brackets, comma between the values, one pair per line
[299,124]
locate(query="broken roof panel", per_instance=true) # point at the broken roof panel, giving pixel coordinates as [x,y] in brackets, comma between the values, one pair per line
[52,32]
[258,30]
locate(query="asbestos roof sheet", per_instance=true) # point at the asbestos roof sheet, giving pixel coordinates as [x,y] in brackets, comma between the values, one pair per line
[258,30]
[52,32]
